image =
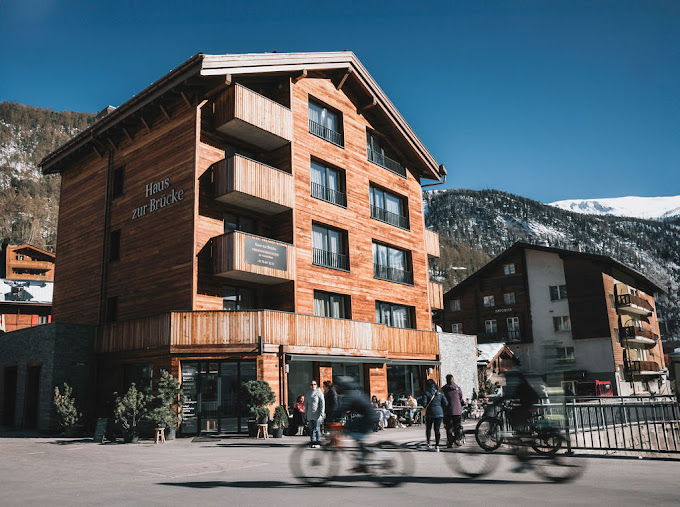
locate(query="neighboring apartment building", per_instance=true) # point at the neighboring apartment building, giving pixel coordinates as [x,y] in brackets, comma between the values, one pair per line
[250,216]
[582,316]
[26,262]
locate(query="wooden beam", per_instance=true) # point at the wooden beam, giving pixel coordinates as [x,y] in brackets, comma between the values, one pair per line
[94,147]
[111,143]
[127,134]
[146,125]
[344,78]
[221,86]
[300,75]
[184,96]
[369,106]
[164,111]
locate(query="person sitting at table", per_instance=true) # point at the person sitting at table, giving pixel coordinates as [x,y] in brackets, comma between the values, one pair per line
[389,406]
[382,421]
[411,402]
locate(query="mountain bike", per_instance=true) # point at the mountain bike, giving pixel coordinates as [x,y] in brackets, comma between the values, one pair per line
[386,463]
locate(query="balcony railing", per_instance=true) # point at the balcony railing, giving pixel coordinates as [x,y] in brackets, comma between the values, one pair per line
[390,274]
[244,256]
[386,162]
[250,184]
[326,194]
[330,259]
[325,133]
[389,217]
[642,367]
[253,118]
[633,303]
[633,332]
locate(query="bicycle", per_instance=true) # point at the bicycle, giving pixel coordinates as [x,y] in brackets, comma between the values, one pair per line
[385,462]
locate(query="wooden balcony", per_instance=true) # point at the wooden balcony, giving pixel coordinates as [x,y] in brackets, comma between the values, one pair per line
[31,264]
[435,293]
[244,256]
[253,118]
[633,305]
[253,185]
[644,368]
[431,243]
[633,335]
[223,331]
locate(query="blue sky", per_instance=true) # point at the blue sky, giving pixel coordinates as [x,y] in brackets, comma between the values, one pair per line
[546,99]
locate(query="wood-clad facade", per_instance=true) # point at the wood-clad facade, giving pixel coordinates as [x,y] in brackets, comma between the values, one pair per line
[232,233]
[26,262]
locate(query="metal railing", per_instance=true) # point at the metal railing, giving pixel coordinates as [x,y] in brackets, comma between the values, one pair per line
[387,216]
[392,274]
[326,194]
[330,259]
[630,299]
[386,162]
[634,332]
[325,133]
[639,366]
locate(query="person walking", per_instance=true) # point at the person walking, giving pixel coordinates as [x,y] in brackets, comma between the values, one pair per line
[453,411]
[433,400]
[315,407]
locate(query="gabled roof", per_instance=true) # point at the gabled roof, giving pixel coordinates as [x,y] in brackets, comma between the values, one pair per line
[489,351]
[26,246]
[342,65]
[602,259]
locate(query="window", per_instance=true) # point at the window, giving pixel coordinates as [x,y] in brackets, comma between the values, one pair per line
[114,246]
[490,326]
[565,354]
[328,248]
[392,264]
[454,305]
[328,184]
[325,123]
[42,319]
[562,323]
[238,298]
[513,329]
[509,298]
[379,153]
[457,328]
[558,292]
[388,207]
[394,315]
[489,301]
[112,309]
[509,269]
[327,304]
[233,222]
[118,181]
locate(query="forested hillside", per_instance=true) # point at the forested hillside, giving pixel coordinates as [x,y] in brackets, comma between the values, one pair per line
[29,202]
[490,221]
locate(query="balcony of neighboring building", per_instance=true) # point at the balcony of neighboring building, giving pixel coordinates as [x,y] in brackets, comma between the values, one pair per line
[637,336]
[243,256]
[253,118]
[435,293]
[633,305]
[431,243]
[252,185]
[644,368]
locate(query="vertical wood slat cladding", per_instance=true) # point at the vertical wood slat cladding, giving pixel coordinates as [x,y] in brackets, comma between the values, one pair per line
[436,295]
[359,283]
[238,102]
[249,177]
[432,243]
[278,328]
[229,255]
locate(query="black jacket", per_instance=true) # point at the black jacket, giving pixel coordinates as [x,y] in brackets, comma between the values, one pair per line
[435,408]
[331,399]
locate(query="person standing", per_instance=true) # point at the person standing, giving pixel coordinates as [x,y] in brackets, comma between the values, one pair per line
[330,396]
[434,400]
[453,411]
[315,407]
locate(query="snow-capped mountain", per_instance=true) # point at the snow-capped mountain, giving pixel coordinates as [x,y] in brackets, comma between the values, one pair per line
[648,208]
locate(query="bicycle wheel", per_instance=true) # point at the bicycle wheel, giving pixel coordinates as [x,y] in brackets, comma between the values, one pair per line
[557,468]
[547,442]
[314,466]
[469,460]
[488,433]
[390,463]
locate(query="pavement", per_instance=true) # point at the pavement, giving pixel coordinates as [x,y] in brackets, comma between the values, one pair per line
[244,471]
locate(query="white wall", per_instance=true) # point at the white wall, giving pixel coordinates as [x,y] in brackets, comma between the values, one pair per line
[458,355]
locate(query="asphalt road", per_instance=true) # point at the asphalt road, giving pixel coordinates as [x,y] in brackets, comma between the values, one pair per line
[241,471]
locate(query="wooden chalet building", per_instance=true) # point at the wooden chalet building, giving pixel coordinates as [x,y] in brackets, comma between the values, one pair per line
[250,216]
[27,262]
[582,316]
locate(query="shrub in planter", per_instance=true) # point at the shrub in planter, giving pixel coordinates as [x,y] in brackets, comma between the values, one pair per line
[65,405]
[280,421]
[257,395]
[166,405]
[129,409]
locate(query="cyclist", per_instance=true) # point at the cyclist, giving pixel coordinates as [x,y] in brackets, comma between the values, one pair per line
[360,415]
[520,391]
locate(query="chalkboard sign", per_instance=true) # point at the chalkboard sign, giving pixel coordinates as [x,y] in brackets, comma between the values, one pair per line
[266,253]
[100,430]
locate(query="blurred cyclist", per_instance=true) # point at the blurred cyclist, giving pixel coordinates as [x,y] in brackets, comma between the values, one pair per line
[524,396]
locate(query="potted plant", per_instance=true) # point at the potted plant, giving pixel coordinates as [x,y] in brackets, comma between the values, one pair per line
[257,396]
[167,404]
[279,421]
[65,405]
[129,409]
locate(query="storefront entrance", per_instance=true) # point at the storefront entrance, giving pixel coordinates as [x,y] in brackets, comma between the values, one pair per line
[213,392]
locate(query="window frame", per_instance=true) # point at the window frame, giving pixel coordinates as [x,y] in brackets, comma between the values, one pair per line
[326,192]
[410,314]
[118,182]
[385,152]
[238,298]
[458,305]
[562,319]
[509,269]
[346,304]
[560,291]
[402,221]
[506,299]
[320,256]
[379,269]
[326,109]
[457,328]
[115,240]
[493,326]
[491,298]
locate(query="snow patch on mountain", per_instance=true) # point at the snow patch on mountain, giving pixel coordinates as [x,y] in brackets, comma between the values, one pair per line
[648,208]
